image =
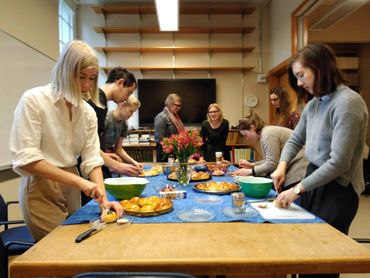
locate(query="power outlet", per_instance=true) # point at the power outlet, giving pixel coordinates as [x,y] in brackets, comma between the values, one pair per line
[261,78]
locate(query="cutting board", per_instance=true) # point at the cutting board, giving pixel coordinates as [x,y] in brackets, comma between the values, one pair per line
[272,212]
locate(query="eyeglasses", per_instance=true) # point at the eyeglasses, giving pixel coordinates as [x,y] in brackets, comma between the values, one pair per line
[177,105]
[213,112]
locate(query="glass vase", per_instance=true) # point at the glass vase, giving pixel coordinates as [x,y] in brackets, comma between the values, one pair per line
[183,173]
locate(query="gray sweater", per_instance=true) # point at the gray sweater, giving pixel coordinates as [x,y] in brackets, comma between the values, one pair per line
[273,139]
[163,127]
[333,128]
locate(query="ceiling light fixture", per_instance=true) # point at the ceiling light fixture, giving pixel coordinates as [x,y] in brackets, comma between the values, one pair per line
[168,14]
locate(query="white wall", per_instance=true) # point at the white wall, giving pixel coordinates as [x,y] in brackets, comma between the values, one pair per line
[280,30]
[34,22]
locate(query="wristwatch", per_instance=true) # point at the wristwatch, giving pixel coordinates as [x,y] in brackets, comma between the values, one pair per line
[297,190]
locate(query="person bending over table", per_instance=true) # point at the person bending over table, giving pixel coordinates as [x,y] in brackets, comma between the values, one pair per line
[167,122]
[333,129]
[119,86]
[272,140]
[52,127]
[214,133]
[116,129]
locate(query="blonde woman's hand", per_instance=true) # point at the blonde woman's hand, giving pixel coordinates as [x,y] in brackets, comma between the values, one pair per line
[106,206]
[91,189]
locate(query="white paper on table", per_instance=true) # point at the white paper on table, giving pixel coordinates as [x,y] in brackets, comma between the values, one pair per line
[273,212]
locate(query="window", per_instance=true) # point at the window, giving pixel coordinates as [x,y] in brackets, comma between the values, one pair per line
[66,23]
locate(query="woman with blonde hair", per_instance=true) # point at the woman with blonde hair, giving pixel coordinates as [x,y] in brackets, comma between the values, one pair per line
[214,133]
[52,127]
[116,129]
[283,108]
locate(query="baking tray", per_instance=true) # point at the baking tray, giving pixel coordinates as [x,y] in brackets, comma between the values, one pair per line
[218,192]
[150,213]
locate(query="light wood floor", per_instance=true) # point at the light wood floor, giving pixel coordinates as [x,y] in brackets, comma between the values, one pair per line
[360,228]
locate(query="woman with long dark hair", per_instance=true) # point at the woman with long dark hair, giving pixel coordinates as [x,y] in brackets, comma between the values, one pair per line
[284,113]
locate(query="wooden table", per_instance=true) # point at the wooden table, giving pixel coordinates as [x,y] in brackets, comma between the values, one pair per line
[196,248]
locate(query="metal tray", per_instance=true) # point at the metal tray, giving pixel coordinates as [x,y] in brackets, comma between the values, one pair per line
[146,175]
[175,179]
[218,192]
[150,213]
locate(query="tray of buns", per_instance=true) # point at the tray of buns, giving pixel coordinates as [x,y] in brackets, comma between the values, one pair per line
[152,172]
[213,187]
[148,206]
[195,176]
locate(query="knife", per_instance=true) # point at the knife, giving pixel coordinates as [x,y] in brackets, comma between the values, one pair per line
[261,200]
[96,227]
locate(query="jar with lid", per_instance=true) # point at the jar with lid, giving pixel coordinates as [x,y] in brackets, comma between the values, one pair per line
[218,157]
[171,159]
[238,202]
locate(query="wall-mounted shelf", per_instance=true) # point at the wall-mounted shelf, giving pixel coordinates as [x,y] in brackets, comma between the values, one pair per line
[107,69]
[182,30]
[200,8]
[171,49]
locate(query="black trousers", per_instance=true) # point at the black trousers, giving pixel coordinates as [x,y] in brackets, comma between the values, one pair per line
[161,156]
[334,203]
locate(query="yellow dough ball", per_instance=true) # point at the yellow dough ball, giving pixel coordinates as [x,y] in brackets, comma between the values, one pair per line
[110,217]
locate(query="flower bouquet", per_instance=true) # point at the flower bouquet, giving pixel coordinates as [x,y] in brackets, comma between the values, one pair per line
[182,145]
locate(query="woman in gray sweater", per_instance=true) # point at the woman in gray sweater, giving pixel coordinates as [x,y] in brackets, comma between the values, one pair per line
[333,128]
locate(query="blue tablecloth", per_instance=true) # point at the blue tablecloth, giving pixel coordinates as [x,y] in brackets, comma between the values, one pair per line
[91,212]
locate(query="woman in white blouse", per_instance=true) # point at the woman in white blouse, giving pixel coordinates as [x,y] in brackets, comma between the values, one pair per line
[52,127]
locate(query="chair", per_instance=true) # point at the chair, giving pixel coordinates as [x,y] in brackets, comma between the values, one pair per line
[133,275]
[13,241]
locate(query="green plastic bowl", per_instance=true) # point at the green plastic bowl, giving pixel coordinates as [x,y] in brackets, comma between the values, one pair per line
[256,187]
[125,187]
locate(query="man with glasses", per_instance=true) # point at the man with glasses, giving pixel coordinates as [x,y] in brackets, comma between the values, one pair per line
[167,122]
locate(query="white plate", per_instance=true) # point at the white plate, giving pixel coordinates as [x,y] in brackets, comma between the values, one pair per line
[209,200]
[195,215]
[248,213]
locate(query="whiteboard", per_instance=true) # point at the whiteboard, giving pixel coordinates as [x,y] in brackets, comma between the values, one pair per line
[22,68]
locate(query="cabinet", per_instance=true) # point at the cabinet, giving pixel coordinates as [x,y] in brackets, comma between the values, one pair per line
[140,145]
[209,9]
[239,147]
[348,61]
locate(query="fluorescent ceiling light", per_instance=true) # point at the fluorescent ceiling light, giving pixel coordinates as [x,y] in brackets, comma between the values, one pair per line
[168,14]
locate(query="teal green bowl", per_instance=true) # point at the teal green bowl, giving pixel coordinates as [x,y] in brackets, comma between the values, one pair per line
[125,187]
[256,187]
